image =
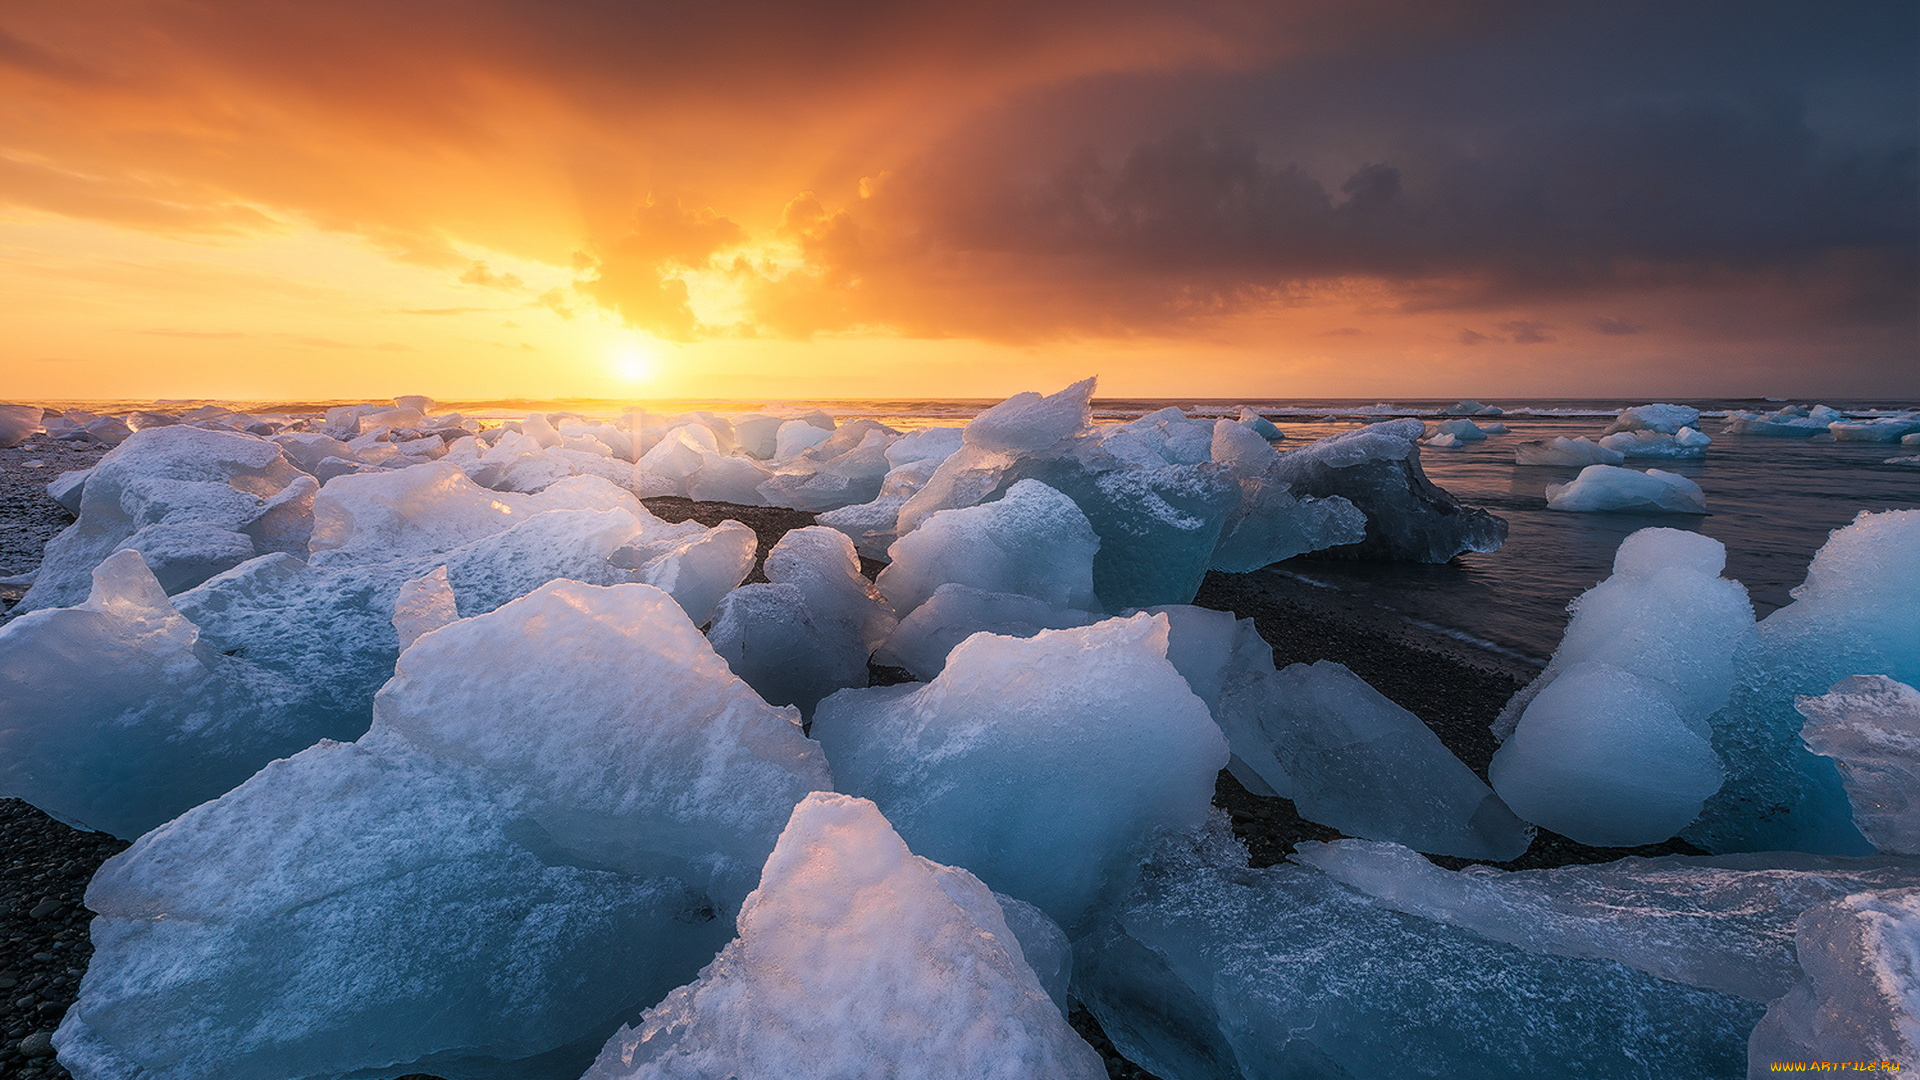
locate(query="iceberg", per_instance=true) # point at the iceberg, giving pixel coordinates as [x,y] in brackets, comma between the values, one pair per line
[856,957]
[1040,764]
[1684,444]
[1885,429]
[1462,430]
[1027,422]
[1212,969]
[1377,469]
[1612,489]
[1665,419]
[1560,450]
[1870,726]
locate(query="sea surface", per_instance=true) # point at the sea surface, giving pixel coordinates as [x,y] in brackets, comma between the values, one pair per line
[1771,501]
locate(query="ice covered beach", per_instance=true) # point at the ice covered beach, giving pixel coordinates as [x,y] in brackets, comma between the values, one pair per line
[773,745]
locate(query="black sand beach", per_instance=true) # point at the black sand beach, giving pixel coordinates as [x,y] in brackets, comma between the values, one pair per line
[44,866]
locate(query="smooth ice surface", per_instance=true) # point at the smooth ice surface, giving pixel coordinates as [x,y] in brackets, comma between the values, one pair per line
[1350,758]
[68,489]
[1853,616]
[1033,541]
[1028,422]
[699,566]
[1870,726]
[559,807]
[1211,969]
[1603,756]
[1269,524]
[1040,764]
[1261,426]
[1860,998]
[1716,923]
[203,500]
[1609,488]
[856,957]
[954,613]
[1377,469]
[1579,451]
[1683,444]
[18,423]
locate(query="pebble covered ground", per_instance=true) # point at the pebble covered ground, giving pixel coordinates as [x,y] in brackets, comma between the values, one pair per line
[45,866]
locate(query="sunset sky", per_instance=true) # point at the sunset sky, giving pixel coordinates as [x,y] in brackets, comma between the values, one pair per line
[587,198]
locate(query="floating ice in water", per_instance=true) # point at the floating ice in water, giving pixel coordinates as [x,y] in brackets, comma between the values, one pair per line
[1870,726]
[1910,441]
[1033,541]
[424,509]
[809,630]
[1660,418]
[545,831]
[1560,450]
[1470,407]
[1261,426]
[1853,616]
[956,612]
[202,500]
[1029,422]
[1493,429]
[1462,430]
[1686,444]
[1377,469]
[1720,923]
[1909,460]
[1792,421]
[1040,764]
[1883,429]
[856,957]
[1212,969]
[18,423]
[1447,440]
[1610,488]
[1350,758]
[1860,997]
[1622,753]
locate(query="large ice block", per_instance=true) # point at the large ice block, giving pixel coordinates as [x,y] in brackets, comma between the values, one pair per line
[1859,997]
[1034,541]
[1611,488]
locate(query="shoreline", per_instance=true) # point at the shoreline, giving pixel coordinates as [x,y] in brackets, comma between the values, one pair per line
[1453,687]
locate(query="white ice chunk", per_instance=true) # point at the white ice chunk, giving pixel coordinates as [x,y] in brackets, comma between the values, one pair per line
[796,437]
[1029,422]
[1685,444]
[928,444]
[1860,998]
[955,613]
[857,958]
[1040,764]
[1659,418]
[1610,488]
[1462,430]
[68,489]
[1870,726]
[1560,450]
[1033,541]
[703,567]
[1884,429]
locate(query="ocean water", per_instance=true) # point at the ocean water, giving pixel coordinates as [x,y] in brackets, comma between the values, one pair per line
[1771,501]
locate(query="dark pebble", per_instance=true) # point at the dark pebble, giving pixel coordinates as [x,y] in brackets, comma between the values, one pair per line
[45,908]
[38,1044]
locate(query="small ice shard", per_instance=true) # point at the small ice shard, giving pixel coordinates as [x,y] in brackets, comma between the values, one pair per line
[1560,450]
[856,957]
[1659,418]
[1910,441]
[1684,444]
[1623,753]
[1860,998]
[422,606]
[1040,764]
[18,423]
[1027,422]
[1853,616]
[1212,969]
[1377,469]
[964,478]
[1350,758]
[1720,923]
[1909,460]
[1462,430]
[1446,440]
[956,612]
[1261,426]
[216,491]
[1611,488]
[67,488]
[1870,726]
[1033,541]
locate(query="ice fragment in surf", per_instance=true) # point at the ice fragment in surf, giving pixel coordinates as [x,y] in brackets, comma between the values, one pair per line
[1033,541]
[1859,998]
[1560,450]
[1870,726]
[1040,764]
[1721,923]
[1885,429]
[1853,616]
[1212,969]
[955,612]
[1261,426]
[1665,419]
[1350,758]
[544,832]
[1377,469]
[856,957]
[215,491]
[1610,488]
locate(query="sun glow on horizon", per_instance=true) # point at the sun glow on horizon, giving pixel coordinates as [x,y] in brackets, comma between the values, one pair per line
[632,362]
